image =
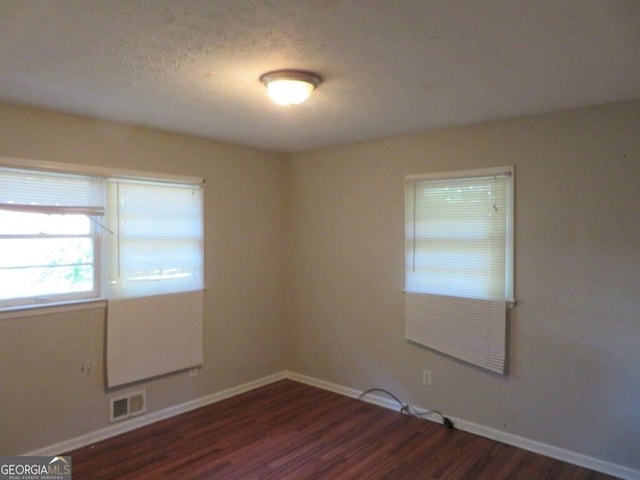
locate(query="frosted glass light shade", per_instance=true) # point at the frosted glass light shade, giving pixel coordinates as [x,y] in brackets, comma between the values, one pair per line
[289,87]
[289,92]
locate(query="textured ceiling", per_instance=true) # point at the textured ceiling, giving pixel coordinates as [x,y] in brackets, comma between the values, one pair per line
[389,67]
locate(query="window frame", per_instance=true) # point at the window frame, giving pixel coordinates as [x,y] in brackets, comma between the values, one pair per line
[46,299]
[120,283]
[509,173]
[98,229]
[468,323]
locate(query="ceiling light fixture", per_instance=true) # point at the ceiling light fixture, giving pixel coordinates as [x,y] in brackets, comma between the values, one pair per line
[289,87]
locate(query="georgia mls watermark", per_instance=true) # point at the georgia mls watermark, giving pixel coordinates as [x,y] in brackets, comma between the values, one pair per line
[35,468]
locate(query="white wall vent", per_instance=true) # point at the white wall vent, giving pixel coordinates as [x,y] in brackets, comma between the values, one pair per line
[129,405]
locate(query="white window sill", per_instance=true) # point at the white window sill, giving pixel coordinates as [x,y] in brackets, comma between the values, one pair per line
[37,310]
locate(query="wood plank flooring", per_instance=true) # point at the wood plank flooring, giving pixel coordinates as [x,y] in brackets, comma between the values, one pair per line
[291,431]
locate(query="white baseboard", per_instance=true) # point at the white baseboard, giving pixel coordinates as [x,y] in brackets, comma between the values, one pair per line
[147,419]
[481,430]
[487,432]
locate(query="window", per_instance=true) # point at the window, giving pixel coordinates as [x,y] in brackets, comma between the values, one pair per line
[156,246]
[61,234]
[459,263]
[49,245]
[134,240]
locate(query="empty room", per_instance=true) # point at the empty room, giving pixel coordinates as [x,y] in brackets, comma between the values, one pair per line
[330,239]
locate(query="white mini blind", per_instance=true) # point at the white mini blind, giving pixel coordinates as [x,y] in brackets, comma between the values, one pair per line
[458,266]
[35,190]
[157,241]
[155,279]
[151,336]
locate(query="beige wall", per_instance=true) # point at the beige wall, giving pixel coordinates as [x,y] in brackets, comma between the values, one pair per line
[45,398]
[574,376]
[305,272]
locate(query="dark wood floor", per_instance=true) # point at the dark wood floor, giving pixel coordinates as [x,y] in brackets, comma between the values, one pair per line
[288,430]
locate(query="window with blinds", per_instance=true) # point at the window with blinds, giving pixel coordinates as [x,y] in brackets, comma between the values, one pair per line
[133,239]
[48,237]
[459,263]
[155,279]
[156,246]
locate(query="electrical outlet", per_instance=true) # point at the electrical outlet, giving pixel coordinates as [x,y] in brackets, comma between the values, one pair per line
[193,372]
[426,377]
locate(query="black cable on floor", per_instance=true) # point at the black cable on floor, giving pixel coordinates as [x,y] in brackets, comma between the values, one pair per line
[408,409]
